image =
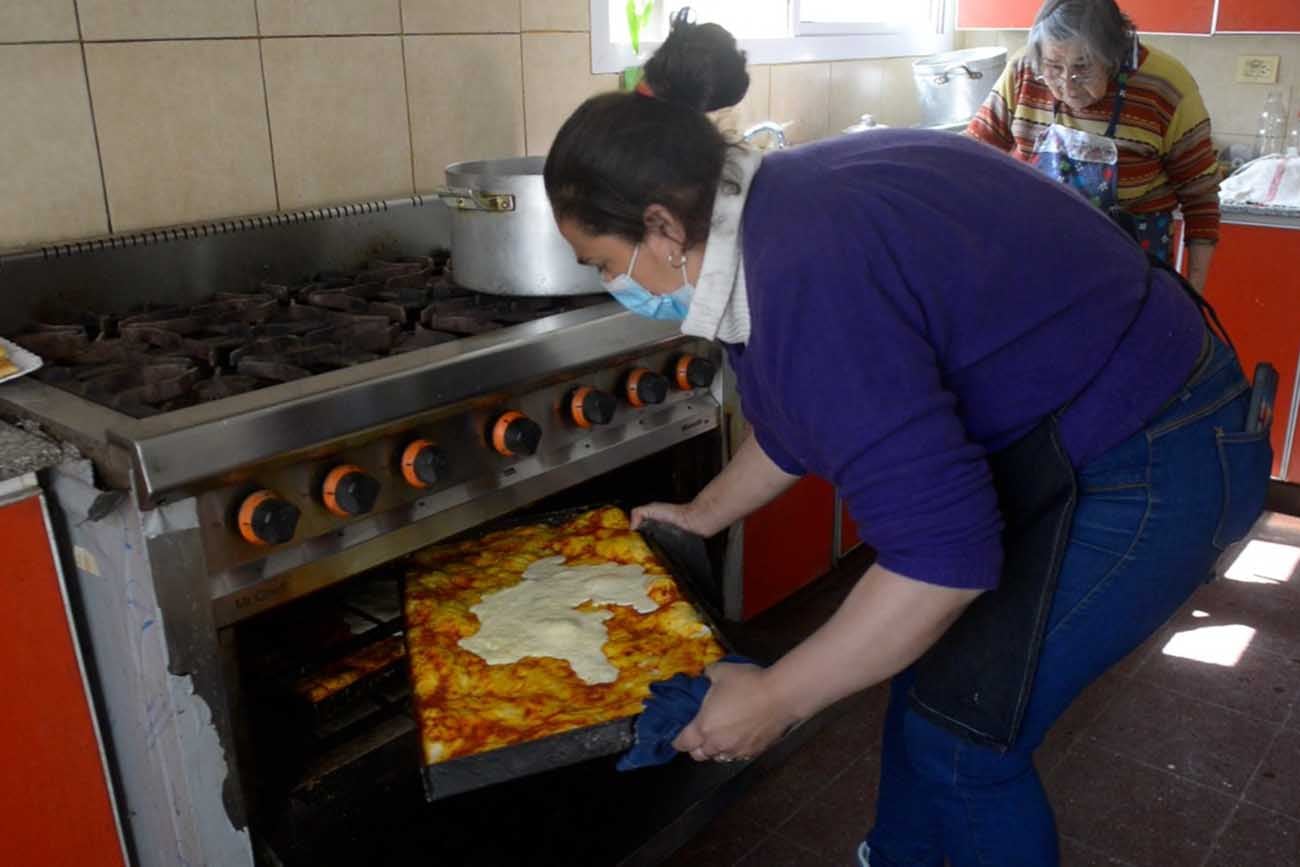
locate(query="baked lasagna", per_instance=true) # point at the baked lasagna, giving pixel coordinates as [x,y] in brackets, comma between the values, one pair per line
[541,629]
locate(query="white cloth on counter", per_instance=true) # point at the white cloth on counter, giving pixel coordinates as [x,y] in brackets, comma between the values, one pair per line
[1272,181]
[720,307]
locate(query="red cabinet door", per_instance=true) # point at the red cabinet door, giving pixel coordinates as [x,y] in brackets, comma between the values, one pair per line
[55,798]
[1258,16]
[1254,285]
[787,544]
[1150,16]
[997,14]
[1171,16]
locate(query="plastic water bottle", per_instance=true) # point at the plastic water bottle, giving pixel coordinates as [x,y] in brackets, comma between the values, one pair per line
[1272,125]
[1293,138]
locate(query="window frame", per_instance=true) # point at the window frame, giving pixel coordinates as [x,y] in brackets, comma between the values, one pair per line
[811,42]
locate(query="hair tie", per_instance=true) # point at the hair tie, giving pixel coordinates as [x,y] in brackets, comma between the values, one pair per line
[644,89]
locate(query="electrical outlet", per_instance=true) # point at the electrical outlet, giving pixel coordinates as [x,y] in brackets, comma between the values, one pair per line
[1257,68]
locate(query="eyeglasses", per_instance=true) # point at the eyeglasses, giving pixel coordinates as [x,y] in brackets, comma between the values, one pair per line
[1079,73]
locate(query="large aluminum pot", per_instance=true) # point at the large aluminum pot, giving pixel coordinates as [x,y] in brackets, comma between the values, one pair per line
[951,86]
[504,240]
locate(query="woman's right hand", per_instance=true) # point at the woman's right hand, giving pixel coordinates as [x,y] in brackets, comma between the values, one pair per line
[678,514]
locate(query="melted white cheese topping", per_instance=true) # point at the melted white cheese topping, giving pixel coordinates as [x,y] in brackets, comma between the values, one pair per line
[539,616]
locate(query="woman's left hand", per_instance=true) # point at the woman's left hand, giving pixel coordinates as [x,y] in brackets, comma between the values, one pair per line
[738,719]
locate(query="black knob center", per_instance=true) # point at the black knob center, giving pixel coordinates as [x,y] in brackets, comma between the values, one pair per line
[598,407]
[430,464]
[652,388]
[523,436]
[700,372]
[356,493]
[275,521]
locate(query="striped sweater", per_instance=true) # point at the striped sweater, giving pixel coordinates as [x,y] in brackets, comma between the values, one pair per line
[1166,156]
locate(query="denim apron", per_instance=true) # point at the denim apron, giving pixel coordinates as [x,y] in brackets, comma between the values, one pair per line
[1090,165]
[976,679]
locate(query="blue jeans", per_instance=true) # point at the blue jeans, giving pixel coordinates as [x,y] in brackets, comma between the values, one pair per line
[1153,515]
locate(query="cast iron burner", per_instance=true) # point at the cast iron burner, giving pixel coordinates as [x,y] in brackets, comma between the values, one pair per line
[159,359]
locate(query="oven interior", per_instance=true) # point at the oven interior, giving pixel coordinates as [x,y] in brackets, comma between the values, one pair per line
[339,779]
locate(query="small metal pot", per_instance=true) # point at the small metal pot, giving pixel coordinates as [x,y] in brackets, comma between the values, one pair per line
[952,86]
[504,240]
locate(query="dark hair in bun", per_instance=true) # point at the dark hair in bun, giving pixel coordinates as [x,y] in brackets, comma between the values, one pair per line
[698,65]
[619,153]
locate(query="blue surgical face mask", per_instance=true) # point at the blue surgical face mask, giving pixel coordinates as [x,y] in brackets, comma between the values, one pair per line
[643,302]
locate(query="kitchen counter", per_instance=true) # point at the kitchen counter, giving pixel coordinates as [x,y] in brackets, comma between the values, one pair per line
[1273,218]
[22,451]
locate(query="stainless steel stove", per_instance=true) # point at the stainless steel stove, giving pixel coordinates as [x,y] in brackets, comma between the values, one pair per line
[273,406]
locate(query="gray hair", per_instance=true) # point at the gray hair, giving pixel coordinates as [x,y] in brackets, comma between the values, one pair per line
[1103,29]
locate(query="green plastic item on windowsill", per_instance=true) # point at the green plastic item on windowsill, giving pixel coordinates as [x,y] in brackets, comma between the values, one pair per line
[637,19]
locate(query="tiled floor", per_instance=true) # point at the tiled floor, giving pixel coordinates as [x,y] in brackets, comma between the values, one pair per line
[1187,754]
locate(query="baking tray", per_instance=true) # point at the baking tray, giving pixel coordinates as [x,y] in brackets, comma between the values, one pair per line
[683,556]
[24,360]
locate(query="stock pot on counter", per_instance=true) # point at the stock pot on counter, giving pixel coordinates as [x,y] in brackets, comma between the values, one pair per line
[951,86]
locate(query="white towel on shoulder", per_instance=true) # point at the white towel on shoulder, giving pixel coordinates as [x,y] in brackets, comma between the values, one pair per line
[720,308]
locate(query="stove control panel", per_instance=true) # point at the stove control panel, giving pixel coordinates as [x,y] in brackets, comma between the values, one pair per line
[644,387]
[271,519]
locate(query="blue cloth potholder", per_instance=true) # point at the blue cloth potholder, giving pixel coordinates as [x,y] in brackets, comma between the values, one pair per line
[671,706]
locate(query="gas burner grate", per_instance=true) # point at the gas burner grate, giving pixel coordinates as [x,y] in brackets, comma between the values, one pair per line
[161,358]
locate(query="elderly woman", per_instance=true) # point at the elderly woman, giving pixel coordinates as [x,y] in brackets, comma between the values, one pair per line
[1122,123]
[1045,476]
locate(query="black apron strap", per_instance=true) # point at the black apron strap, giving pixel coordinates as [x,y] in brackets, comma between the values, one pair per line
[976,680]
[1208,312]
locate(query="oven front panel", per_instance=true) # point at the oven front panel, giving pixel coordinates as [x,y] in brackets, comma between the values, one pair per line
[477,482]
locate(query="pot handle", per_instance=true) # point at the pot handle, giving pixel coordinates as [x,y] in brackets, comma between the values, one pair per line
[942,77]
[466,199]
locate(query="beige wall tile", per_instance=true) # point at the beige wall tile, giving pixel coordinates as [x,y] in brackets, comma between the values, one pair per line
[37,20]
[311,17]
[450,123]
[460,16]
[882,88]
[755,107]
[557,78]
[49,187]
[557,15]
[1234,108]
[801,97]
[166,19]
[976,38]
[338,119]
[182,130]
[1013,40]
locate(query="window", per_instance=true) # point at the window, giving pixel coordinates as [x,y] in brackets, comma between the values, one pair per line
[783,31]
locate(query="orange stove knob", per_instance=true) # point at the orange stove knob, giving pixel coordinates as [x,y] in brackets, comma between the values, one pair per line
[691,372]
[265,518]
[423,464]
[644,387]
[349,491]
[589,406]
[513,433]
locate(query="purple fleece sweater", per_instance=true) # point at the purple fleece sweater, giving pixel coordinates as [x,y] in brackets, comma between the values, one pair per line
[919,300]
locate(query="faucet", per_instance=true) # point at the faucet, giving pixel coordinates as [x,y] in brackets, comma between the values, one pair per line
[772,128]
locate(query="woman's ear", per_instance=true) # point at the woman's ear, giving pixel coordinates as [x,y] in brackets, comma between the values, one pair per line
[665,234]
